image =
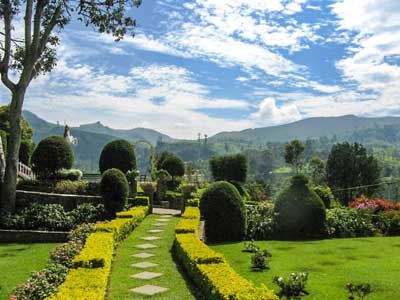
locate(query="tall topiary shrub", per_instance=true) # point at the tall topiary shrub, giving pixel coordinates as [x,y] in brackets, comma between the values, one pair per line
[300,212]
[52,154]
[118,154]
[224,213]
[230,168]
[114,189]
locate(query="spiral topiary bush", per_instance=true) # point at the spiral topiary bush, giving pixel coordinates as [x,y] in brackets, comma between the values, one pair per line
[224,213]
[114,189]
[300,212]
[118,154]
[52,154]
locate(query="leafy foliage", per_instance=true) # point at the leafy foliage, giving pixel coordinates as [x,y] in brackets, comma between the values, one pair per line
[224,213]
[349,165]
[51,155]
[293,152]
[325,193]
[300,211]
[114,190]
[261,224]
[118,154]
[229,168]
[292,287]
[173,165]
[27,131]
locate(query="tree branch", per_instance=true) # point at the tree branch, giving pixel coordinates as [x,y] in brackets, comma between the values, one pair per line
[5,62]
[49,28]
[28,26]
[36,27]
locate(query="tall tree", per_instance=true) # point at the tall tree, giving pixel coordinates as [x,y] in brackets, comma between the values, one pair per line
[316,168]
[34,53]
[351,171]
[293,154]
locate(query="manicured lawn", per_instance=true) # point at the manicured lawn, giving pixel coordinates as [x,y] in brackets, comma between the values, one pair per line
[17,261]
[121,282]
[330,264]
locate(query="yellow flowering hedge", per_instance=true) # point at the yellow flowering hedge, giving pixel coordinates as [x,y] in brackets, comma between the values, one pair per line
[88,280]
[208,269]
[99,248]
[190,246]
[191,213]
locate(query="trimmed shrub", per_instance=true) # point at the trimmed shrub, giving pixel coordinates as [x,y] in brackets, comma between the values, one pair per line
[114,190]
[118,154]
[51,155]
[300,211]
[139,201]
[325,193]
[224,213]
[194,202]
[72,174]
[71,187]
[187,189]
[25,151]
[229,168]
[173,165]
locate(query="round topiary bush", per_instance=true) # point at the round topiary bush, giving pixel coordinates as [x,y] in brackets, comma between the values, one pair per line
[224,213]
[51,154]
[114,189]
[325,193]
[300,212]
[118,154]
[173,165]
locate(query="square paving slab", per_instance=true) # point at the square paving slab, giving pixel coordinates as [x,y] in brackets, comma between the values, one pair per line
[151,238]
[159,224]
[162,220]
[146,275]
[146,246]
[142,255]
[155,230]
[149,290]
[144,265]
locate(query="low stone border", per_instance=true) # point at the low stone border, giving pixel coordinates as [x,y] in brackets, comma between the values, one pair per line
[69,202]
[32,236]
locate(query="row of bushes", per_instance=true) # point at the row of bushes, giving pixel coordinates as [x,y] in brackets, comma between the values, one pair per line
[208,269]
[341,222]
[46,282]
[52,217]
[88,279]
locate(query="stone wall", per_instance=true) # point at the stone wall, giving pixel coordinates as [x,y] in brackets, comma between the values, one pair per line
[69,202]
[32,236]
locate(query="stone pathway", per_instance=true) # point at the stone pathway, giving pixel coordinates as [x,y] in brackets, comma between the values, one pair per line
[148,289]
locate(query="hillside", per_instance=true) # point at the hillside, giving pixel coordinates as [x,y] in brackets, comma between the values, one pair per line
[307,128]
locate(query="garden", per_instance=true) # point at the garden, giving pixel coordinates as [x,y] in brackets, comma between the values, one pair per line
[172,238]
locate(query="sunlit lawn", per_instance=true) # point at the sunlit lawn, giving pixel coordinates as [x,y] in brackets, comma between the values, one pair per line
[17,261]
[330,264]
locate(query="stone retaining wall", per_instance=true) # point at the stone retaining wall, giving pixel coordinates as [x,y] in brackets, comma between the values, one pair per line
[69,202]
[32,236]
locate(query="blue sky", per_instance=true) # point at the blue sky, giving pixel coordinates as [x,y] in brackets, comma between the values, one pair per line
[212,65]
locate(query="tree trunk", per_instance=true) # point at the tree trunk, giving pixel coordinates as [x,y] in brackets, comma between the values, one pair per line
[10,178]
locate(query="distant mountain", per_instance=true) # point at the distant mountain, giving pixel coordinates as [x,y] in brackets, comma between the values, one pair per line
[136,134]
[91,138]
[307,128]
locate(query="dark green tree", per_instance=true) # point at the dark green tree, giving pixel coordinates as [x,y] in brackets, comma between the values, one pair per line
[293,154]
[232,168]
[35,53]
[351,171]
[118,154]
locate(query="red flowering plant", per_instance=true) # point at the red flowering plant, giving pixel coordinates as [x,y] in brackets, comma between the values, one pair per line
[375,206]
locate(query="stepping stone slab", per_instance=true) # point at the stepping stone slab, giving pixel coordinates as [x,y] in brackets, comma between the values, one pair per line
[143,255]
[149,290]
[162,220]
[144,265]
[159,224]
[155,230]
[151,238]
[146,275]
[146,246]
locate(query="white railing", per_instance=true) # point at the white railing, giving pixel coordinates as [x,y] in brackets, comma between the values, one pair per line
[25,172]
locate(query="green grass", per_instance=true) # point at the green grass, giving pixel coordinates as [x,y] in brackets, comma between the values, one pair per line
[330,264]
[17,261]
[121,282]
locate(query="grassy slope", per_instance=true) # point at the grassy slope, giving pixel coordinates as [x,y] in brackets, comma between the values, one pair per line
[120,282]
[17,261]
[330,264]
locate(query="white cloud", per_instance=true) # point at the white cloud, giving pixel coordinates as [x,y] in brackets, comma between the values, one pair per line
[270,114]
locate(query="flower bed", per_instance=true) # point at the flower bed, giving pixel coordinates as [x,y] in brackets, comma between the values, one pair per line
[88,280]
[208,269]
